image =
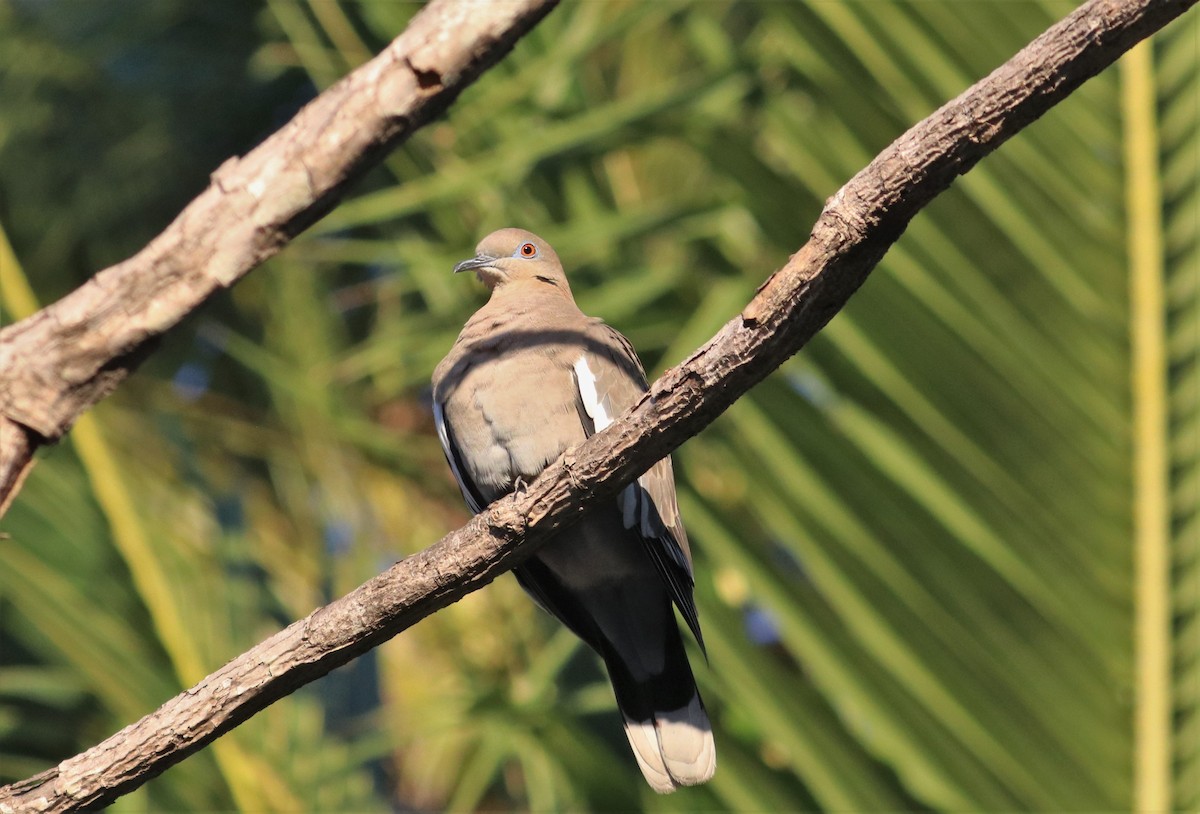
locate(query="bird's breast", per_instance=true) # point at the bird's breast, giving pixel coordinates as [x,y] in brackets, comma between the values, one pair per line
[512,413]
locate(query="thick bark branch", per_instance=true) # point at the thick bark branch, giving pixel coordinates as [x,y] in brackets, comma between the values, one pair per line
[857,226]
[59,362]
[17,445]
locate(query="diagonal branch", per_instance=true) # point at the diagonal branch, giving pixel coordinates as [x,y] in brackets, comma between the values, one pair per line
[858,225]
[62,360]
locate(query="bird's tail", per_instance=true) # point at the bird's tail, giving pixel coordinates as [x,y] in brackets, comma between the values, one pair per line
[674,747]
[664,717]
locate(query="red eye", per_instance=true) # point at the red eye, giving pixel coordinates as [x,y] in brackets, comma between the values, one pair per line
[528,250]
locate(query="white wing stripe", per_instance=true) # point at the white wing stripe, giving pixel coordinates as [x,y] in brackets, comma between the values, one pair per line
[587,392]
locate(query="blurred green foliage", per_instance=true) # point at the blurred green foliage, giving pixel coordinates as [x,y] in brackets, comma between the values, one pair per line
[914,559]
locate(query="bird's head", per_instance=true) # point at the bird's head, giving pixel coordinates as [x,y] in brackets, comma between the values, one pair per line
[511,256]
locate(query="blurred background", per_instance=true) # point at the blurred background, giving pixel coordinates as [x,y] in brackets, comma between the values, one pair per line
[915,542]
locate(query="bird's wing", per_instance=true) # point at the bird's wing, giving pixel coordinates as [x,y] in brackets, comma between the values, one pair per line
[609,378]
[453,457]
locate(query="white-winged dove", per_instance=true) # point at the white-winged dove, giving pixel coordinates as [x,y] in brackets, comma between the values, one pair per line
[529,376]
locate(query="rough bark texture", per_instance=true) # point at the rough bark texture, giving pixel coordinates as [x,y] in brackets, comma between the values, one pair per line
[857,226]
[66,357]
[17,445]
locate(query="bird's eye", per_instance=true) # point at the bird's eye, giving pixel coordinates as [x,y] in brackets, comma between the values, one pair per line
[528,250]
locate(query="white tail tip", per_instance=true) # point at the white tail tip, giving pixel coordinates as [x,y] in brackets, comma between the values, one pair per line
[676,748]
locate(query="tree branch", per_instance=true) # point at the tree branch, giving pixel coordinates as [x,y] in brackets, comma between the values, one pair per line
[62,360]
[857,226]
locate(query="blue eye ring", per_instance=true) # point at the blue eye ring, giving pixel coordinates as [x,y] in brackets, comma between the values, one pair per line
[527,251]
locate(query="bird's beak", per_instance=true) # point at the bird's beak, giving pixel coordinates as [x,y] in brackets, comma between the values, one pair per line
[477,262]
